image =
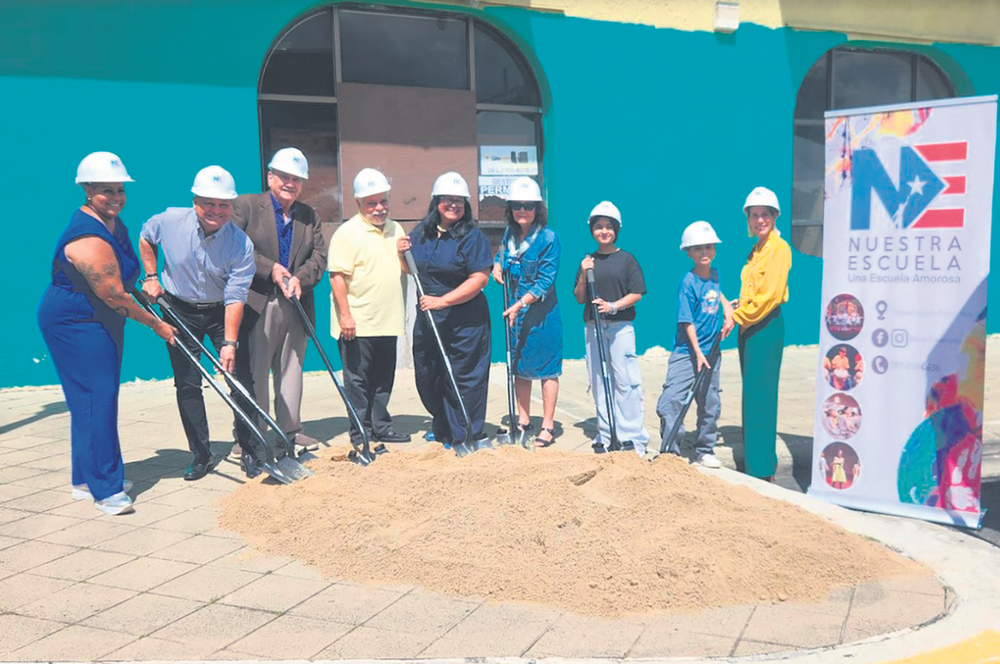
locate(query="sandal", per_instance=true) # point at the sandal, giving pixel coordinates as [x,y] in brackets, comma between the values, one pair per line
[545,443]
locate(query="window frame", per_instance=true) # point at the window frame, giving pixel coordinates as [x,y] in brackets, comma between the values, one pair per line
[917,61]
[472,23]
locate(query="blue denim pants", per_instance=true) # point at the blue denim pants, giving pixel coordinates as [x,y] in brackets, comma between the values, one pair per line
[680,378]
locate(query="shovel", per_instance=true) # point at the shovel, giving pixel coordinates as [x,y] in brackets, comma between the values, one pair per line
[261,448]
[699,380]
[467,446]
[609,402]
[287,461]
[512,418]
[363,455]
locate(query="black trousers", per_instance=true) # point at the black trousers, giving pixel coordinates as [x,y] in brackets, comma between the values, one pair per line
[369,373]
[188,381]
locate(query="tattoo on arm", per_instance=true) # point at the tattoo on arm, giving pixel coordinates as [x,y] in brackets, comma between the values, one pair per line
[113,294]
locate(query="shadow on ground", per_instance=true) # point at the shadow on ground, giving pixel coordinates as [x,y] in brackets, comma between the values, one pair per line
[48,410]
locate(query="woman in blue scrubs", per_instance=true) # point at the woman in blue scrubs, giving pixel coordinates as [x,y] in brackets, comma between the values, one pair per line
[529,255]
[453,260]
[82,318]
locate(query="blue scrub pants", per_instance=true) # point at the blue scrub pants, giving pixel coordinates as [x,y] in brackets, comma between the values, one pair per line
[88,358]
[468,348]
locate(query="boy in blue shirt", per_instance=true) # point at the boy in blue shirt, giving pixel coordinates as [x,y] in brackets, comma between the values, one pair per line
[698,301]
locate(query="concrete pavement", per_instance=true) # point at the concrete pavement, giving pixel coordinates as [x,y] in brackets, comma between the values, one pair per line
[167,584]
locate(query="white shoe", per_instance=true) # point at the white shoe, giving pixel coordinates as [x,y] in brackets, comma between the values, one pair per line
[710,461]
[119,503]
[81,492]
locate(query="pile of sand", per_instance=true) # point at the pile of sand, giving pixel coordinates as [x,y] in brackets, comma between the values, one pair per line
[605,535]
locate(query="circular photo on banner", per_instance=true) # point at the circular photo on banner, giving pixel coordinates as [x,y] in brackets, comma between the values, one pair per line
[843,367]
[841,416]
[845,317]
[839,465]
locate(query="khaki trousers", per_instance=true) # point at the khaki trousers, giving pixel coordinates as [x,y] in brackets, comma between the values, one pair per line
[278,344]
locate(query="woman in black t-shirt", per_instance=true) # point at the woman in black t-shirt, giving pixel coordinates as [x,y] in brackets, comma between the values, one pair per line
[619,285]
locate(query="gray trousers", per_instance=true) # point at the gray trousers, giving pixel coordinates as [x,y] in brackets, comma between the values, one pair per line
[626,384]
[680,378]
[278,344]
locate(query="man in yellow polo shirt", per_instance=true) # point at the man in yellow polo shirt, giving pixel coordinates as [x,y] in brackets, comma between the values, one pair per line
[368,311]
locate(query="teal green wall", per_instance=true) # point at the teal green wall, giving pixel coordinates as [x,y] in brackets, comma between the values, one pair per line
[672,126]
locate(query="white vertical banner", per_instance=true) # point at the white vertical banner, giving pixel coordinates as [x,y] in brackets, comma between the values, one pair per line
[906,258]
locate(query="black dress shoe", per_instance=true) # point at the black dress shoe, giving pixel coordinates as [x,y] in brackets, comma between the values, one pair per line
[392,436]
[199,469]
[250,465]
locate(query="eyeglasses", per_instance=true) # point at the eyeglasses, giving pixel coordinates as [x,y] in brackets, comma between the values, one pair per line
[523,205]
[453,202]
[286,177]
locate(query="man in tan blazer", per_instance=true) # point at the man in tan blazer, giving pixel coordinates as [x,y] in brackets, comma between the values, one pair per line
[288,242]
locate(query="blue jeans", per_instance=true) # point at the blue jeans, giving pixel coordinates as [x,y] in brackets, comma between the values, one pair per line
[680,379]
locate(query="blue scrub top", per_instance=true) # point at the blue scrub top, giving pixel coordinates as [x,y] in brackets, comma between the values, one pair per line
[67,278]
[445,262]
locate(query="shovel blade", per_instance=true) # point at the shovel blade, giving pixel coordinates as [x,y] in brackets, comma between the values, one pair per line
[306,456]
[524,440]
[276,473]
[503,438]
[293,469]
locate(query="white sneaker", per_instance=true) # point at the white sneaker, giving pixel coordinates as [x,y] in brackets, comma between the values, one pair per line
[119,503]
[81,492]
[710,461]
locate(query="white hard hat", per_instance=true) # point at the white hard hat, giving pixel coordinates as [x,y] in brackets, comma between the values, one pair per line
[101,167]
[700,232]
[606,209]
[762,196]
[369,182]
[451,184]
[291,161]
[524,189]
[214,182]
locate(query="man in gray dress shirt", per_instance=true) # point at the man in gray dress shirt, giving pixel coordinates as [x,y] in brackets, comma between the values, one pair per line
[208,264]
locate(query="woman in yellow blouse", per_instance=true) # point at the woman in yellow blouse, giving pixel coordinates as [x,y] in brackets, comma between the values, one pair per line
[762,331]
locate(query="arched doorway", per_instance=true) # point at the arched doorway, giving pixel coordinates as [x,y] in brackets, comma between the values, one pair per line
[412,92]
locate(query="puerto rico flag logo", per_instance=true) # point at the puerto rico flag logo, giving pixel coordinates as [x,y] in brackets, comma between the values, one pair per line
[930,192]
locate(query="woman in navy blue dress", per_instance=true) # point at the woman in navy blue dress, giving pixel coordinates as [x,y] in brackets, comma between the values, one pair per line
[529,255]
[82,318]
[453,259]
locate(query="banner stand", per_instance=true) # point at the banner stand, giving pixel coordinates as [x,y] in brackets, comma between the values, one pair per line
[906,258]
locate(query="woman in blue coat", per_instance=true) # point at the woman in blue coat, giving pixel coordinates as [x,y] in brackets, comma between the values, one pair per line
[453,260]
[529,255]
[82,318]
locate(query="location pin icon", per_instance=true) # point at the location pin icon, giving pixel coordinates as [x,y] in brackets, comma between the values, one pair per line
[881,307]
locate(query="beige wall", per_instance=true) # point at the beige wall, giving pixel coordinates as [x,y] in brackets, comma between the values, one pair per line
[966,21]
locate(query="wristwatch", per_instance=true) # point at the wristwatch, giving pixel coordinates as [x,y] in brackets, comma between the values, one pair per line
[234,344]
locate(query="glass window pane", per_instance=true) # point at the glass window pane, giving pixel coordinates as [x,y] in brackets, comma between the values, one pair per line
[417,51]
[808,167]
[302,62]
[870,78]
[808,240]
[811,102]
[501,76]
[514,137]
[931,81]
[313,129]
